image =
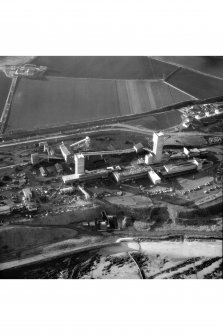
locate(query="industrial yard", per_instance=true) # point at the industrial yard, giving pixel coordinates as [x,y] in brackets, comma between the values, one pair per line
[154,174]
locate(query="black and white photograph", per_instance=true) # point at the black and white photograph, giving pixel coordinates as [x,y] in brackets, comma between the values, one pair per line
[111,167]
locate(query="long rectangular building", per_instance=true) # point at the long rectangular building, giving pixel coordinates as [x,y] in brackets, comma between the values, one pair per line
[131,174]
[88,176]
[172,168]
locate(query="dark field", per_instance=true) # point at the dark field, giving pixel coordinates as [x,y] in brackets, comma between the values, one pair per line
[57,101]
[105,67]
[4,89]
[209,65]
[158,121]
[198,85]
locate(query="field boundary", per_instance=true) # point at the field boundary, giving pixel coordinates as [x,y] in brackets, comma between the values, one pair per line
[187,68]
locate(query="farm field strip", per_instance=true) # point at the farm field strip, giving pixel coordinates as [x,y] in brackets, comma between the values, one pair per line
[108,67]
[197,85]
[59,101]
[174,89]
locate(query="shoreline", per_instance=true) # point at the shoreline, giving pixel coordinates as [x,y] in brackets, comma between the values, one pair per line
[54,255]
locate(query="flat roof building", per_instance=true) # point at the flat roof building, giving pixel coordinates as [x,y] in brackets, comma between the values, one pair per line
[131,174]
[35,158]
[79,160]
[180,168]
[153,176]
[88,176]
[67,190]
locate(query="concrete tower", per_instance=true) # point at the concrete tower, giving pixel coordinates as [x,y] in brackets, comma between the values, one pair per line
[156,155]
[158,141]
[79,164]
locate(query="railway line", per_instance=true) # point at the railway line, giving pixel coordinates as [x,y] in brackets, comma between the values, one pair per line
[113,127]
[5,113]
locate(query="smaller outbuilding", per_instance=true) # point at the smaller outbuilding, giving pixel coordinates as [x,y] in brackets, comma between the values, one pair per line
[153,176]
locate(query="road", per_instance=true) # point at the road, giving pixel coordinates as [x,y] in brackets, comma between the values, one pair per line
[5,113]
[121,127]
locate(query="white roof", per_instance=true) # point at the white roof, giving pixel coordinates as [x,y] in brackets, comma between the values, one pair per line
[154,175]
[70,177]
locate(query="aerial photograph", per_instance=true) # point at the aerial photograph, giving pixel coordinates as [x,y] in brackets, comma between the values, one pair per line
[111,167]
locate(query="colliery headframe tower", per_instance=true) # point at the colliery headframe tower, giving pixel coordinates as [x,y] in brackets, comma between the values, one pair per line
[156,155]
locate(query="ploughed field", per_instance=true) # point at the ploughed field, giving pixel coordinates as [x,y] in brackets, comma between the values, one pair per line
[198,85]
[57,101]
[209,65]
[105,67]
[85,89]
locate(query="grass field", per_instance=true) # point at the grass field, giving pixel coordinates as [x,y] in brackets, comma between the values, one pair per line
[198,85]
[58,101]
[108,67]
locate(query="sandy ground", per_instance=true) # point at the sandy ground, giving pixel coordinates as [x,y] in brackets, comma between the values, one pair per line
[184,249]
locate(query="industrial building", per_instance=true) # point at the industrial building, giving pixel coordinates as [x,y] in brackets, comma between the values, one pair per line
[138,147]
[157,153]
[79,164]
[194,152]
[30,206]
[66,153]
[173,170]
[43,171]
[88,176]
[153,176]
[27,193]
[67,190]
[107,222]
[35,158]
[58,167]
[131,174]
